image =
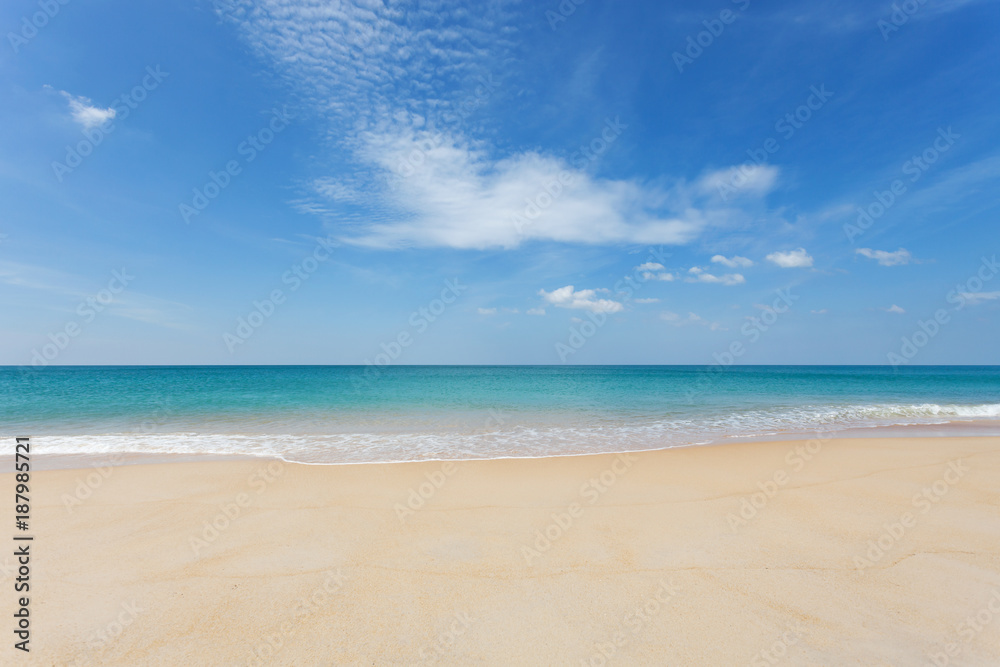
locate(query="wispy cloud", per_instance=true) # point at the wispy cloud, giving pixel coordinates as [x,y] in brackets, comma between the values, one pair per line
[975,298]
[85,113]
[396,85]
[885,258]
[699,275]
[734,262]
[691,318]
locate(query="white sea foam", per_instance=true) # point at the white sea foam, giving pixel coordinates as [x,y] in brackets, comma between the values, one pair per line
[519,439]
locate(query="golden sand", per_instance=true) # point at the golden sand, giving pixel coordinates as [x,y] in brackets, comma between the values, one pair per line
[860,552]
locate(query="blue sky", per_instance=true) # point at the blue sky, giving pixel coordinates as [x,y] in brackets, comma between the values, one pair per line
[499,182]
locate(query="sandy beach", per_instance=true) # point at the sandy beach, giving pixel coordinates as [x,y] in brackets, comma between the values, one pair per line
[824,552]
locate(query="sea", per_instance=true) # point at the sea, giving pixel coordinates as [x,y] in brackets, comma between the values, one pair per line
[366,414]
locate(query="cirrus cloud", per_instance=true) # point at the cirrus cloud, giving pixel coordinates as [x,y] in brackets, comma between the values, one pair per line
[885,258]
[397,95]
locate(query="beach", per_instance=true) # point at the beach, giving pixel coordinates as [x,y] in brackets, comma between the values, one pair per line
[879,551]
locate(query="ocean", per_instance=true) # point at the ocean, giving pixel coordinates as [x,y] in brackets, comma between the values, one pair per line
[340,414]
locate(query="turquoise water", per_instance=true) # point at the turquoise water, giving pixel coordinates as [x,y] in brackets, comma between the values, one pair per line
[351,413]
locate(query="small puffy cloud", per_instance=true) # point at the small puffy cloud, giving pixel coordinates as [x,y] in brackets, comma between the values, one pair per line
[585,299]
[85,113]
[894,309]
[975,298]
[698,275]
[885,258]
[734,262]
[793,259]
[650,266]
[668,277]
[487,311]
[647,300]
[535,311]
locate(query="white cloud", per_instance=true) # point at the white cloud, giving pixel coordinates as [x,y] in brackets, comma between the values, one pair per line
[650,266]
[650,300]
[691,318]
[397,96]
[734,262]
[487,311]
[535,311]
[748,180]
[567,297]
[667,277]
[975,298]
[793,259]
[85,113]
[463,197]
[894,309]
[885,258]
[698,275]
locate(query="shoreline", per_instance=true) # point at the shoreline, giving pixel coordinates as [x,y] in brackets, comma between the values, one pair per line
[648,556]
[950,429]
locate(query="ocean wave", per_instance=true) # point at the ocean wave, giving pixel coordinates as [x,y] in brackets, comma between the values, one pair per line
[519,439]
